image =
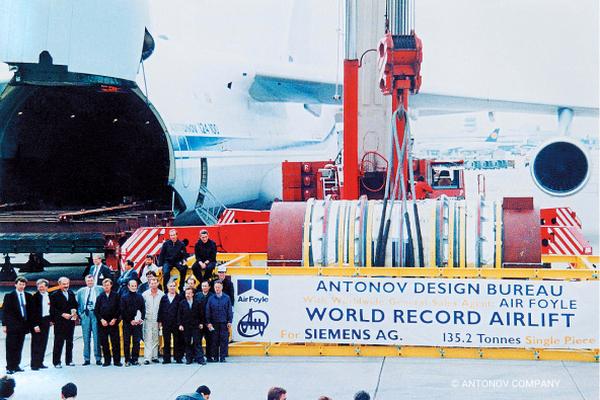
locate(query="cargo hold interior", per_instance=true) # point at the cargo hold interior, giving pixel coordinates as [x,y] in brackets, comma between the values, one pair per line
[73,147]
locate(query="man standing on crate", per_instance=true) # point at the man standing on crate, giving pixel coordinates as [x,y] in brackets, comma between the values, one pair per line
[99,270]
[172,255]
[147,268]
[226,282]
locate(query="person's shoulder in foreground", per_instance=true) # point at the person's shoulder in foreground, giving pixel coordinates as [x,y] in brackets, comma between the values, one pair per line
[277,393]
[202,393]
[362,395]
[69,391]
[7,387]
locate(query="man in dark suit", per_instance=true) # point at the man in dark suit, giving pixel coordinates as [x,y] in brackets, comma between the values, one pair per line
[226,282]
[172,254]
[99,270]
[133,313]
[63,311]
[167,320]
[129,274]
[219,315]
[202,297]
[17,310]
[107,314]
[189,319]
[40,321]
[205,251]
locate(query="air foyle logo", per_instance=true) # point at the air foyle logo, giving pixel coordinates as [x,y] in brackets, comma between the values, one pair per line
[259,285]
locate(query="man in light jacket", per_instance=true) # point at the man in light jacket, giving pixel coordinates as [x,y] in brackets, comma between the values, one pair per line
[152,299]
[86,300]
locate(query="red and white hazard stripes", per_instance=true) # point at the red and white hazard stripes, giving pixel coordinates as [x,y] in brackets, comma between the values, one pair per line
[559,216]
[566,217]
[228,217]
[566,241]
[238,215]
[561,232]
[143,241]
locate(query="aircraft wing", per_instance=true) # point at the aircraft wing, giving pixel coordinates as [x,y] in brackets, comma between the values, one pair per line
[273,88]
[438,104]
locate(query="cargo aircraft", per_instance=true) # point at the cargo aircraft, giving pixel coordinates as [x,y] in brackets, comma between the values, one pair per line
[98,109]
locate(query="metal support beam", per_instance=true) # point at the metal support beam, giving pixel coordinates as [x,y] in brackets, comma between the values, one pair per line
[351,27]
[334,350]
[350,158]
[350,155]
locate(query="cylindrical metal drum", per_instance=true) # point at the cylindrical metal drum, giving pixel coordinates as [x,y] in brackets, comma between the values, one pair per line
[449,233]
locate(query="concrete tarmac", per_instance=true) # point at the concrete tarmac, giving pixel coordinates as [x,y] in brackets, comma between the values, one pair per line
[307,378]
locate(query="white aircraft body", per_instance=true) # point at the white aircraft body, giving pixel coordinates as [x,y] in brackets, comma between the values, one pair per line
[84,121]
[186,120]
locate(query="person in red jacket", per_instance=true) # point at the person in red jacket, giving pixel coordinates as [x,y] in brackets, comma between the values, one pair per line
[422,188]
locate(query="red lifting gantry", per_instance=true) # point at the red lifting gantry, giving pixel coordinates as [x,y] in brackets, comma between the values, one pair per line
[400,55]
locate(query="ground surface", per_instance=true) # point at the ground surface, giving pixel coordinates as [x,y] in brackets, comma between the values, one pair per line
[249,378]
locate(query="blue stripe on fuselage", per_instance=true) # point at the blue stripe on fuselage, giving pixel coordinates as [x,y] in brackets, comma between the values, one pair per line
[198,143]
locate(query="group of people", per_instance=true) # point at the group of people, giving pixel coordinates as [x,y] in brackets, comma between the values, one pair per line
[185,317]
[274,393]
[69,392]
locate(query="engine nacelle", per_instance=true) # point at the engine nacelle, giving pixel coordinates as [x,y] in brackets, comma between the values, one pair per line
[560,167]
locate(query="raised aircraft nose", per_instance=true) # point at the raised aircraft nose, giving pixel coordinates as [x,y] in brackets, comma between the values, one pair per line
[96,37]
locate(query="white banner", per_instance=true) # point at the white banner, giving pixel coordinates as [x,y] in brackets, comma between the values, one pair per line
[417,312]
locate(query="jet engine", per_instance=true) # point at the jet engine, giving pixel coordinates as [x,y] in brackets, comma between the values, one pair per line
[560,167]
